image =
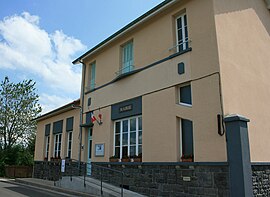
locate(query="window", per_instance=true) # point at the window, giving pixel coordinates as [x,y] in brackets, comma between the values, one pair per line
[186,133]
[128,137]
[181,33]
[69,129]
[69,144]
[57,145]
[92,76]
[185,95]
[127,58]
[47,145]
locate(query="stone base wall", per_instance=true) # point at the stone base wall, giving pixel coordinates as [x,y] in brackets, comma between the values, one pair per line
[168,179]
[261,179]
[51,170]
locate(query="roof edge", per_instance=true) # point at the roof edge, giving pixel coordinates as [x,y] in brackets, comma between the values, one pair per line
[58,110]
[122,30]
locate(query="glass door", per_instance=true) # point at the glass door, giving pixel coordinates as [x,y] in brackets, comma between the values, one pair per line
[89,153]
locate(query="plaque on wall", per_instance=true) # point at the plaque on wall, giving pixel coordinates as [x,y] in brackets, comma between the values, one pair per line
[99,150]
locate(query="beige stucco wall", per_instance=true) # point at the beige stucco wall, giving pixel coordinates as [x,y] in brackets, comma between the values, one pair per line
[243,29]
[153,40]
[40,135]
[158,85]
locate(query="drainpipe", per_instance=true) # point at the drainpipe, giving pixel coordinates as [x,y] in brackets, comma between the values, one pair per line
[81,110]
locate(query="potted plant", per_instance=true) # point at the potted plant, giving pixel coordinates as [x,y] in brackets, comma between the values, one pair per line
[114,159]
[125,158]
[136,158]
[187,158]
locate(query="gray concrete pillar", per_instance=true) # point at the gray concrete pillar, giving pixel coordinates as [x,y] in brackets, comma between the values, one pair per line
[238,156]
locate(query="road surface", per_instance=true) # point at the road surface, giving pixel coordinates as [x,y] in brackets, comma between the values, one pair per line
[9,188]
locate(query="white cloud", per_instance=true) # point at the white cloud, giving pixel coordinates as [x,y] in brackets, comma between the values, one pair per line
[27,48]
[51,102]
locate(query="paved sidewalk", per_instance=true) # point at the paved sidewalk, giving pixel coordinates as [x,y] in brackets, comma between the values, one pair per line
[45,184]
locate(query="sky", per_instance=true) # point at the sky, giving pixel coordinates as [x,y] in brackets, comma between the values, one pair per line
[40,39]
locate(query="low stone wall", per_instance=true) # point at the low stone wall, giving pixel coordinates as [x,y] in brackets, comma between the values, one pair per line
[261,179]
[169,179]
[51,170]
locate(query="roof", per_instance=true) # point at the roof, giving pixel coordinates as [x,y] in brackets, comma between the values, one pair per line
[124,29]
[59,110]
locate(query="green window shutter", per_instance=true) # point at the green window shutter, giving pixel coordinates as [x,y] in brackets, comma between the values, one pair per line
[93,76]
[127,58]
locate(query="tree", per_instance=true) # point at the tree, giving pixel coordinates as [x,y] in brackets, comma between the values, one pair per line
[18,107]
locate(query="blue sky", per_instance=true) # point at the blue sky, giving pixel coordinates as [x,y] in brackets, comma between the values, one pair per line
[39,40]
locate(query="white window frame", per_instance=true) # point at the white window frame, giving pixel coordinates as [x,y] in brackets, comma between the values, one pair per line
[56,145]
[121,135]
[179,95]
[47,146]
[68,140]
[184,36]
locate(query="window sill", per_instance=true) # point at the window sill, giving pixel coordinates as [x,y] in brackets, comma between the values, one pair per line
[185,104]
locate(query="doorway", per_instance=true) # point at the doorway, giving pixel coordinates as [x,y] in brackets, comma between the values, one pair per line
[89,153]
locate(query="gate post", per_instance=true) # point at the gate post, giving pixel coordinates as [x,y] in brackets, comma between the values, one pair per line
[238,156]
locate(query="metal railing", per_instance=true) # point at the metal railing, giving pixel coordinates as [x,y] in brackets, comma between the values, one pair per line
[78,170]
[124,70]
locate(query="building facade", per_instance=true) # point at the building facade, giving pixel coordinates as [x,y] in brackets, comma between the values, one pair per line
[160,87]
[58,133]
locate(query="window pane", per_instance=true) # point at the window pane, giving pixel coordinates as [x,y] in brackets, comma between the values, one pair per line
[59,146]
[140,149]
[70,135]
[140,137]
[117,127]
[125,139]
[125,125]
[185,20]
[132,150]
[185,94]
[180,36]
[90,149]
[60,136]
[179,22]
[125,151]
[117,152]
[117,140]
[133,138]
[133,124]
[140,123]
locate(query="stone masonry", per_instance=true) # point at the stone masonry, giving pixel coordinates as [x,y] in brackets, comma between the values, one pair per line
[261,179]
[168,179]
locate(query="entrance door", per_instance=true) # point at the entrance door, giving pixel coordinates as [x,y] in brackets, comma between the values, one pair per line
[89,154]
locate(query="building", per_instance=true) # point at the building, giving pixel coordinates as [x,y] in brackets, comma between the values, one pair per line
[58,133]
[161,86]
[162,81]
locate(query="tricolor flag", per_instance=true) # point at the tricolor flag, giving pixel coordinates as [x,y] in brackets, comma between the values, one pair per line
[93,118]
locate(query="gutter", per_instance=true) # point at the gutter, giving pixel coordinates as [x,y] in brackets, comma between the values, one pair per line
[127,28]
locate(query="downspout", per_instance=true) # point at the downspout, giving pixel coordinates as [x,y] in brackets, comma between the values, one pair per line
[81,110]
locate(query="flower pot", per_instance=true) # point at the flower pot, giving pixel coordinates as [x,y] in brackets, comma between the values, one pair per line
[187,160]
[125,160]
[114,159]
[137,159]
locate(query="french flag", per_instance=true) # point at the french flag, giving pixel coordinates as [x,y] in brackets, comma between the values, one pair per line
[93,118]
